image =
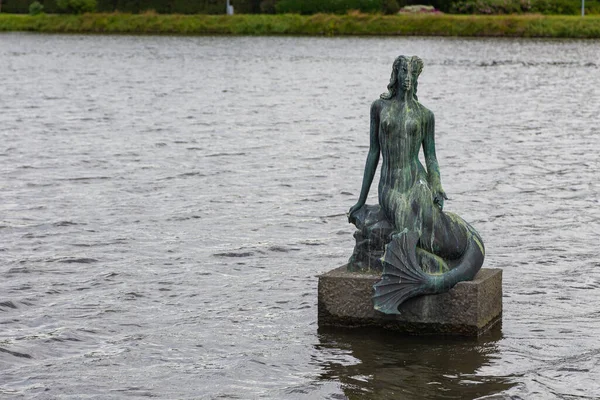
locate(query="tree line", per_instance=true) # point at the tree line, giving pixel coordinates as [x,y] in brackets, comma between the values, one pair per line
[218,6]
[306,7]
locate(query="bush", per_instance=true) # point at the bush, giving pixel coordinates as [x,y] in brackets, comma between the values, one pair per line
[36,8]
[308,7]
[267,6]
[569,7]
[76,6]
[390,7]
[441,5]
[491,7]
[557,6]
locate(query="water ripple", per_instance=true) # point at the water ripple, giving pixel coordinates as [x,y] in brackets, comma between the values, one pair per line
[167,203]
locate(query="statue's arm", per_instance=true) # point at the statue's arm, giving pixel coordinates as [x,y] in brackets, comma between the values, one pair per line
[433,168]
[372,160]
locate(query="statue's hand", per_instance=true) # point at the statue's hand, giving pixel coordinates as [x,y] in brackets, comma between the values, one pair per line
[353,210]
[438,198]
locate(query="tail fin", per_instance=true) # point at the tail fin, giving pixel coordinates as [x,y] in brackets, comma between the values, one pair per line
[402,276]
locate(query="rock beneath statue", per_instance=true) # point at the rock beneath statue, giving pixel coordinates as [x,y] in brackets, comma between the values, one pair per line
[469,309]
[373,233]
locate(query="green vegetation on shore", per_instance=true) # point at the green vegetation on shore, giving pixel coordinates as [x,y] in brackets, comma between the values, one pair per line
[319,24]
[305,7]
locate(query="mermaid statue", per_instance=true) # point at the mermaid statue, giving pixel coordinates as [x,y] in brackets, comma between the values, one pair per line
[425,250]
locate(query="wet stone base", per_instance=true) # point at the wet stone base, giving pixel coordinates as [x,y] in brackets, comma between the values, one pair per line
[469,309]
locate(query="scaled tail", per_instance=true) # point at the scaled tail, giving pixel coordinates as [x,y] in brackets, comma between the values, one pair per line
[402,276]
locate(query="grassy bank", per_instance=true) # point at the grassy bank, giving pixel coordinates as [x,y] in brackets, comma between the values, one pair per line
[320,24]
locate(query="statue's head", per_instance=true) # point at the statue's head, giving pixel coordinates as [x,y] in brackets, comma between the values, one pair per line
[405,72]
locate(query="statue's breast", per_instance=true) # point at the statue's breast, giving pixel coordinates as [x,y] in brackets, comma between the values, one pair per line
[412,126]
[402,124]
[389,122]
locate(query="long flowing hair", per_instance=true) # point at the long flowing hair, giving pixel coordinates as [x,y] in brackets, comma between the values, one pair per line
[392,87]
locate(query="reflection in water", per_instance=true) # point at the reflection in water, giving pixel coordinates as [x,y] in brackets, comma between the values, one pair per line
[383,365]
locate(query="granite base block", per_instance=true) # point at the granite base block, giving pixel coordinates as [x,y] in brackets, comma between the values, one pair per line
[468,309]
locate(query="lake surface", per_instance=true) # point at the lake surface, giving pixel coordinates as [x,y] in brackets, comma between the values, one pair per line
[167,202]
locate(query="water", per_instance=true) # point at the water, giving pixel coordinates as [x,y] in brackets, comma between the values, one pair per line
[167,202]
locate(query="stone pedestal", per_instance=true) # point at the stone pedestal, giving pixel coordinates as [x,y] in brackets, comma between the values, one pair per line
[469,309]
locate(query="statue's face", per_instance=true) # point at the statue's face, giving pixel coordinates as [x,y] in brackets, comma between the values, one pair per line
[408,72]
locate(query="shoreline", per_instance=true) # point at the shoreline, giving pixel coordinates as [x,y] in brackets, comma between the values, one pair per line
[528,25]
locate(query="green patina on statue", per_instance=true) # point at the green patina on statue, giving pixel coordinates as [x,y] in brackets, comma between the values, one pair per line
[419,248]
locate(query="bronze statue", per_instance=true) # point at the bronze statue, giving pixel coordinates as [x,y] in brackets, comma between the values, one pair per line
[426,250]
